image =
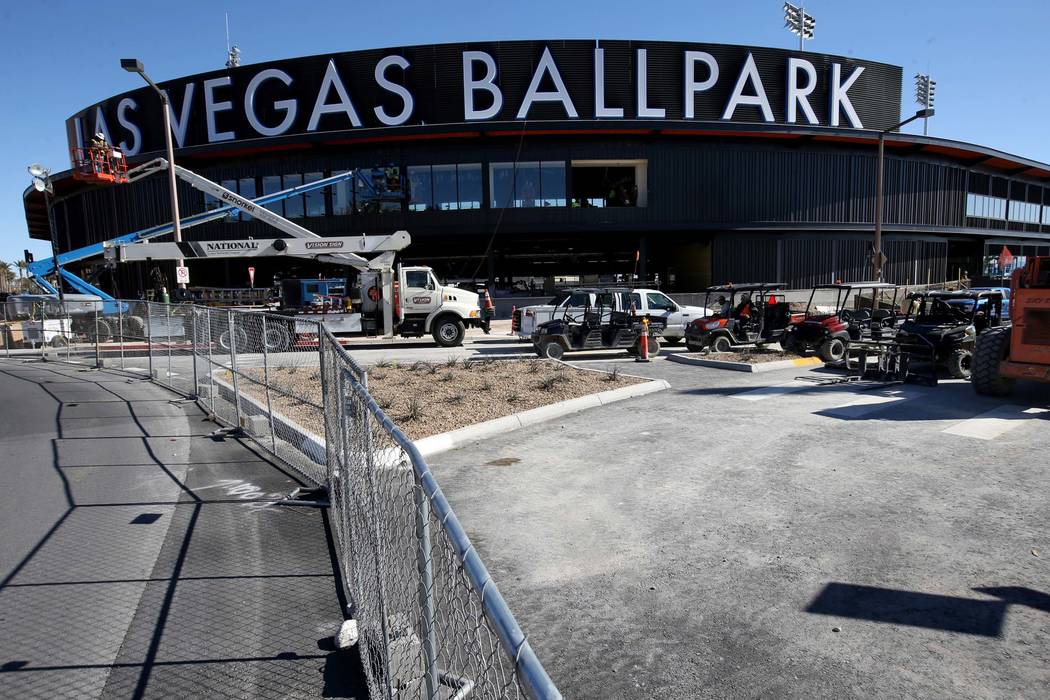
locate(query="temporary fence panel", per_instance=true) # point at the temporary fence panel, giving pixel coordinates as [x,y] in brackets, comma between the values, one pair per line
[432,623]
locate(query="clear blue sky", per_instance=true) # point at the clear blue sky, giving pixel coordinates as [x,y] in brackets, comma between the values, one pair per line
[57,56]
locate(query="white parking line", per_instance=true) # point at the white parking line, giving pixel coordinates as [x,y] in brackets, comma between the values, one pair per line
[767,392]
[994,423]
[863,404]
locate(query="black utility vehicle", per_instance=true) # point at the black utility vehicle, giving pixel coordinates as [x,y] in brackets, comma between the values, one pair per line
[942,327]
[840,314]
[607,323]
[745,314]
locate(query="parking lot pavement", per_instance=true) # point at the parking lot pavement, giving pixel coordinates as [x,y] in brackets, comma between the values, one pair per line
[141,557]
[753,535]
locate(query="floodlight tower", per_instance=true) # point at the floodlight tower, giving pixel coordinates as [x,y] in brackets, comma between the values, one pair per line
[798,22]
[924,95]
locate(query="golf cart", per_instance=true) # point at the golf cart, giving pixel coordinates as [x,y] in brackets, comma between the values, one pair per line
[607,322]
[838,314]
[747,314]
[942,327]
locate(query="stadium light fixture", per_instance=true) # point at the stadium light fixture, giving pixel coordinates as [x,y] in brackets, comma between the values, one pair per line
[42,183]
[799,22]
[925,89]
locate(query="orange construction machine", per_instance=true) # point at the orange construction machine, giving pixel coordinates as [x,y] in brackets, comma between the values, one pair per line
[1021,350]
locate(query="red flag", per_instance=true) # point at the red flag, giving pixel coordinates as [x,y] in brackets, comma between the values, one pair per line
[1005,258]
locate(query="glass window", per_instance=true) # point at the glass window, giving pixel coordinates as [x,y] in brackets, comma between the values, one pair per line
[315,199]
[501,176]
[421,193]
[579,299]
[342,198]
[1046,215]
[293,206]
[527,184]
[231,185]
[270,185]
[552,183]
[416,279]
[659,301]
[246,189]
[469,175]
[445,197]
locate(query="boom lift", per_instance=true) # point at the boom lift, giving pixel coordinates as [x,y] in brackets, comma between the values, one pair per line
[428,306]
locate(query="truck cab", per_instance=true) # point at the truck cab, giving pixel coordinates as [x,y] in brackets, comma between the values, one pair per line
[424,305]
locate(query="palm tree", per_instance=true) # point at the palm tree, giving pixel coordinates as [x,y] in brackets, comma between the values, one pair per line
[23,270]
[7,276]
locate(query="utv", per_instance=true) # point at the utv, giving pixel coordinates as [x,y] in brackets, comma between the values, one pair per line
[607,324]
[838,314]
[942,327]
[748,314]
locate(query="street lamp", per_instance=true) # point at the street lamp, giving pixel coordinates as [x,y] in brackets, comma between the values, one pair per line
[877,256]
[133,65]
[42,183]
[798,22]
[924,95]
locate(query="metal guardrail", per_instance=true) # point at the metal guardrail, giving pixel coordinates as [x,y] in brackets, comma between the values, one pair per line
[432,623]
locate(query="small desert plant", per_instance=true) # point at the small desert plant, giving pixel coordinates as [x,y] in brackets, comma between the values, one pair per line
[613,376]
[558,367]
[451,362]
[376,375]
[382,363]
[448,377]
[547,384]
[316,376]
[414,411]
[486,385]
[430,370]
[417,365]
[533,366]
[384,403]
[469,364]
[513,397]
[457,398]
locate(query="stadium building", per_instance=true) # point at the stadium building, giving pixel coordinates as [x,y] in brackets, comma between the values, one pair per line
[697,163]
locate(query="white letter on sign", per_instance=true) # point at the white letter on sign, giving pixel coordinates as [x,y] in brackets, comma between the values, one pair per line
[799,96]
[470,85]
[321,106]
[289,107]
[559,94]
[839,98]
[600,110]
[759,99]
[211,107]
[399,90]
[691,86]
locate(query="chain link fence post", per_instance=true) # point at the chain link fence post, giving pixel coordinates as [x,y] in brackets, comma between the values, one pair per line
[149,339]
[193,351]
[266,386]
[233,365]
[424,567]
[167,320]
[98,338]
[211,367]
[7,333]
[120,331]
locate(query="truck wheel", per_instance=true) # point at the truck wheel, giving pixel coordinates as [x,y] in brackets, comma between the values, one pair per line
[671,341]
[721,344]
[992,348]
[693,347]
[135,326]
[552,349]
[832,350]
[100,330]
[960,363]
[789,344]
[448,331]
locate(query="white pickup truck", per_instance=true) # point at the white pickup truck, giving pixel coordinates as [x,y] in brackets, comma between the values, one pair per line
[650,302]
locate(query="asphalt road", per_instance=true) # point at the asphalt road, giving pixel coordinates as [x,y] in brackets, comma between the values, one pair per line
[755,536]
[142,558]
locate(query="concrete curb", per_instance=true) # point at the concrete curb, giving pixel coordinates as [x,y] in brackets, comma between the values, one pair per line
[746,366]
[435,444]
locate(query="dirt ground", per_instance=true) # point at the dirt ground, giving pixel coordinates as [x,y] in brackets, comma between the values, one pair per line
[430,398]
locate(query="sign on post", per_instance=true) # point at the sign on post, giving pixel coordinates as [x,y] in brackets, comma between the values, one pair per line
[251,277]
[182,275]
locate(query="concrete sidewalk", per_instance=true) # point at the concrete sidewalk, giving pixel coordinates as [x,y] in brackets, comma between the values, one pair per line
[143,558]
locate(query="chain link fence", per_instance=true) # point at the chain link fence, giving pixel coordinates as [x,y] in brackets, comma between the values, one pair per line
[431,621]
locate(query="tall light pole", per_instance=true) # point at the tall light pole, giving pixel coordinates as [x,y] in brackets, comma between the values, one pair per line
[42,183]
[133,65]
[924,95]
[798,22]
[876,258]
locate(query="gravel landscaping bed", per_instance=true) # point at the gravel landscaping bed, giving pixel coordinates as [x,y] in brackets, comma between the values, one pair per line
[753,356]
[426,399]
